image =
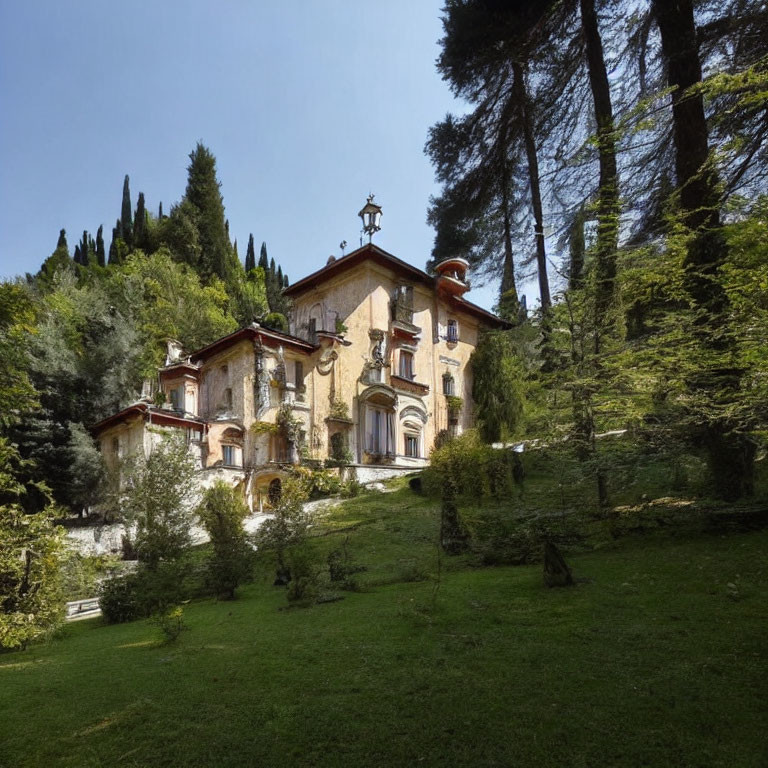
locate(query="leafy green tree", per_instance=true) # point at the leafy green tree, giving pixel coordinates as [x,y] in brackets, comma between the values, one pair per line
[157,497]
[31,555]
[287,527]
[222,512]
[17,322]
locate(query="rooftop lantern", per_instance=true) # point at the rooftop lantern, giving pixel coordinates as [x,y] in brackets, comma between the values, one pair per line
[371,216]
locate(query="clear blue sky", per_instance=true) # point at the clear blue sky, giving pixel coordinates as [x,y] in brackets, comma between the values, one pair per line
[307,106]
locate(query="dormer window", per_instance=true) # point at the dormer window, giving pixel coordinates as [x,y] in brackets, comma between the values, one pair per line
[406,365]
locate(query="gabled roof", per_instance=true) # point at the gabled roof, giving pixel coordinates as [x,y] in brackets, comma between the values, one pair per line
[371,252]
[267,336]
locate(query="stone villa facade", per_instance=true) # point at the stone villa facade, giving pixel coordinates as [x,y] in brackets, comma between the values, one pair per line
[375,365]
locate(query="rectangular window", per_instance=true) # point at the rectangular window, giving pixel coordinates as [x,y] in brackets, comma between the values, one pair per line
[406,365]
[231,455]
[449,387]
[177,398]
[379,432]
[453,331]
[298,373]
[312,329]
[412,446]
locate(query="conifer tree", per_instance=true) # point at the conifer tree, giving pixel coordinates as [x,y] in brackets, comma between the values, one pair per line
[76,257]
[140,224]
[100,253]
[114,251]
[62,241]
[160,211]
[126,221]
[250,255]
[279,277]
[203,192]
[285,281]
[263,261]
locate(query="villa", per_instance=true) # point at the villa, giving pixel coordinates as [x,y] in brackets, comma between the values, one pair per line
[374,367]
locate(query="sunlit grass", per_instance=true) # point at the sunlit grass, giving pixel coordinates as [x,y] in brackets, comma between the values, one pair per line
[657,657]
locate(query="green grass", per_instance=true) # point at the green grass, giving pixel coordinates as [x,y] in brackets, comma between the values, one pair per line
[657,657]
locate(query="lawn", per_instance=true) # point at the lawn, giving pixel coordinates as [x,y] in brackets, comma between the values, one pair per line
[657,657]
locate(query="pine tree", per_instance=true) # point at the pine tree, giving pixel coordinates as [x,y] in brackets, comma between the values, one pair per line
[100,253]
[203,192]
[126,220]
[731,454]
[250,255]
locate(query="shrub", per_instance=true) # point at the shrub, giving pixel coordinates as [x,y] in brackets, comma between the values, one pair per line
[304,587]
[222,512]
[119,599]
[171,623]
[350,488]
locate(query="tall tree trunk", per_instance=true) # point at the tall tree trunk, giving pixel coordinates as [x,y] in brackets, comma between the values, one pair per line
[523,103]
[608,196]
[730,453]
[509,302]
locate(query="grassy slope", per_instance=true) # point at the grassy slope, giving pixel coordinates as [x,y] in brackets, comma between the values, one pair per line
[654,660]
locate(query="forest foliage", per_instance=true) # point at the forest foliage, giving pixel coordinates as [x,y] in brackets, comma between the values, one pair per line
[615,151]
[85,332]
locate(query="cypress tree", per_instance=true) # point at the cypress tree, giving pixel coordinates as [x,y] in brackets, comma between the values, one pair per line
[113,247]
[100,254]
[62,241]
[76,257]
[160,211]
[271,268]
[263,262]
[285,281]
[125,214]
[250,255]
[279,277]
[140,223]
[203,192]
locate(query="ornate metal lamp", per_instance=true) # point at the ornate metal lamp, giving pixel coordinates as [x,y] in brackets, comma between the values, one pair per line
[371,216]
